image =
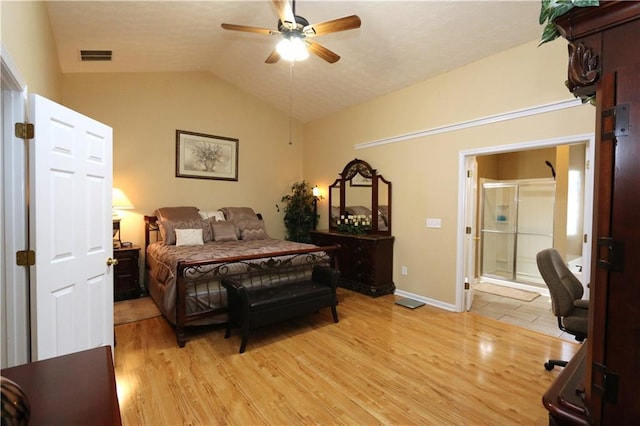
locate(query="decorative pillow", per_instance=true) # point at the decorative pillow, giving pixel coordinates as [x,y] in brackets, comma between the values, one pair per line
[224,231]
[253,234]
[168,229]
[238,213]
[217,215]
[254,229]
[177,214]
[359,210]
[189,237]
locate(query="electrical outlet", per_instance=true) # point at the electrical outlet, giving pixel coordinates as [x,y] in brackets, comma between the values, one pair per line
[434,223]
[404,270]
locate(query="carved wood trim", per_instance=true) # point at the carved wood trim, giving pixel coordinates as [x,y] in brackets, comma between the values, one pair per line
[583,70]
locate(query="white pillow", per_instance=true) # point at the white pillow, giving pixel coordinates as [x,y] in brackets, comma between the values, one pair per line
[217,214]
[189,237]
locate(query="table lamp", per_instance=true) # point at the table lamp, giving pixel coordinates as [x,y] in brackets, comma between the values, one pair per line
[119,202]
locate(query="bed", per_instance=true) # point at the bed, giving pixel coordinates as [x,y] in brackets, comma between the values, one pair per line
[188,252]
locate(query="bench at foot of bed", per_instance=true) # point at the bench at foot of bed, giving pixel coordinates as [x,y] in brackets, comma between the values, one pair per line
[259,306]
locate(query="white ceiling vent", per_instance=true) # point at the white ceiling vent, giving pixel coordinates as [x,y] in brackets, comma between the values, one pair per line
[96,55]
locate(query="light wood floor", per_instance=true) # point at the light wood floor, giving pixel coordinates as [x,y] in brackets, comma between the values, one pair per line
[381,364]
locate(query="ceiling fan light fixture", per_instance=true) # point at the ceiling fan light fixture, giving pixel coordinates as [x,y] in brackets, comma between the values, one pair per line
[292,49]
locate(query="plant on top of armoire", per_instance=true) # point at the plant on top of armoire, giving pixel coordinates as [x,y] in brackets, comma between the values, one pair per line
[551,9]
[299,212]
[581,58]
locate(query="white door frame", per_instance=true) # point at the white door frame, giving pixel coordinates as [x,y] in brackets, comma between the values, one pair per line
[13,219]
[464,203]
[471,193]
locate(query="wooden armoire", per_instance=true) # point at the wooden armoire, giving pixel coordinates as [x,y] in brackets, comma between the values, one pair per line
[601,384]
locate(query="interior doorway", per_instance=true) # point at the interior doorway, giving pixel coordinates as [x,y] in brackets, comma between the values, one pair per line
[570,213]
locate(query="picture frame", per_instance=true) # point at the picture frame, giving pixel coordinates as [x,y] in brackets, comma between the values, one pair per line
[359,180]
[203,156]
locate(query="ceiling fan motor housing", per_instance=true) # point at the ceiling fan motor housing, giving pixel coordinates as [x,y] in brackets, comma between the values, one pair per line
[300,24]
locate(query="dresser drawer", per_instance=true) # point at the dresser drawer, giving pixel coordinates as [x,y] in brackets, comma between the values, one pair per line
[365,261]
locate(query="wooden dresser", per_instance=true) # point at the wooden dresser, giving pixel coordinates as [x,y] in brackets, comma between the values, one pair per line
[365,261]
[74,389]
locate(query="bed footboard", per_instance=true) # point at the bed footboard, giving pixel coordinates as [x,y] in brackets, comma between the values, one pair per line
[196,280]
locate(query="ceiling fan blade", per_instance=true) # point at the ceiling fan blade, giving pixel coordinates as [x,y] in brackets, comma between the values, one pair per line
[285,13]
[341,24]
[273,58]
[249,29]
[323,52]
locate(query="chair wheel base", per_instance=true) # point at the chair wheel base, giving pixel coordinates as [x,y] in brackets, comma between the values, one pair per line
[553,362]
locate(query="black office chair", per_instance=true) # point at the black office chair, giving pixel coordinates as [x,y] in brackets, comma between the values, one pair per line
[566,298]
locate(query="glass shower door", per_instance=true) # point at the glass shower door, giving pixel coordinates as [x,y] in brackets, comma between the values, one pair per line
[499,227]
[535,228]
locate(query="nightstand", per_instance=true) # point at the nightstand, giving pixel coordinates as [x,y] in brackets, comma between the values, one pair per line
[126,274]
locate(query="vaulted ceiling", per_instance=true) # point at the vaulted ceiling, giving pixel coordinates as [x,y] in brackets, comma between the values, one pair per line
[399,44]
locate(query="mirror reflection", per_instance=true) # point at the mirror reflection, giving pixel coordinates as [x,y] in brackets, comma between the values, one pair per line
[361,197]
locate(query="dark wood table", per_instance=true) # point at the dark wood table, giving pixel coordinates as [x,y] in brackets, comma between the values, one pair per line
[74,389]
[564,398]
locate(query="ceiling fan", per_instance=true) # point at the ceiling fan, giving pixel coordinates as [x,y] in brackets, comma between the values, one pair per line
[297,33]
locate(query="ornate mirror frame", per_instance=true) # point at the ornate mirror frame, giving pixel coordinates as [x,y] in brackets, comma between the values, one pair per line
[361,190]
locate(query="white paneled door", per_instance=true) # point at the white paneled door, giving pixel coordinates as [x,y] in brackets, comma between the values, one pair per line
[70,214]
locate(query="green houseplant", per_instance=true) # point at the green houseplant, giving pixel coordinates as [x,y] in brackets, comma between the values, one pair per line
[299,212]
[551,9]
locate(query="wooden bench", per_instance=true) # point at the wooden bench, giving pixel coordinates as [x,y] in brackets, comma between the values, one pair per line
[253,307]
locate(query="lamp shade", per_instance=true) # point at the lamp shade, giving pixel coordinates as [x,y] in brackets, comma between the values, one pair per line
[120,201]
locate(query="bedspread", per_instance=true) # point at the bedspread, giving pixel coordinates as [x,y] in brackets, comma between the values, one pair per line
[206,293]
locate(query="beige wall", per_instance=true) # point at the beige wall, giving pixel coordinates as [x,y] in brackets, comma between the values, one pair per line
[528,164]
[27,36]
[424,171]
[146,109]
[576,165]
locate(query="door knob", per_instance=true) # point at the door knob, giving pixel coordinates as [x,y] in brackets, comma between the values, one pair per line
[111,261]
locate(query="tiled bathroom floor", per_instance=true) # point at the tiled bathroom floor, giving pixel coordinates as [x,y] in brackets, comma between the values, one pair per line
[535,315]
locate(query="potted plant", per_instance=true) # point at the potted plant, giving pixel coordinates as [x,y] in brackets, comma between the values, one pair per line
[299,212]
[551,9]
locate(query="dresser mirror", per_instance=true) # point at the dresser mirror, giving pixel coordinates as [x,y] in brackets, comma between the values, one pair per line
[361,191]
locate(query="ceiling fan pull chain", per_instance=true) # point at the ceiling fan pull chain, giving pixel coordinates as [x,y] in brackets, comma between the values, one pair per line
[291,102]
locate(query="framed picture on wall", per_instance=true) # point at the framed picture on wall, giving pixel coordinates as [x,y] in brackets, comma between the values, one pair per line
[203,156]
[359,180]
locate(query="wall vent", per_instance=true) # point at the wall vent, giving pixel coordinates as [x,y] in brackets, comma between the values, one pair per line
[96,55]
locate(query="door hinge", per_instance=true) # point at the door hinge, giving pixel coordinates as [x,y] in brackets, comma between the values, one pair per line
[620,115]
[25,258]
[614,260]
[24,131]
[604,383]
[622,120]
[585,238]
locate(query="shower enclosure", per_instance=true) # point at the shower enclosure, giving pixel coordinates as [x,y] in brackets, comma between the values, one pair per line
[517,222]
